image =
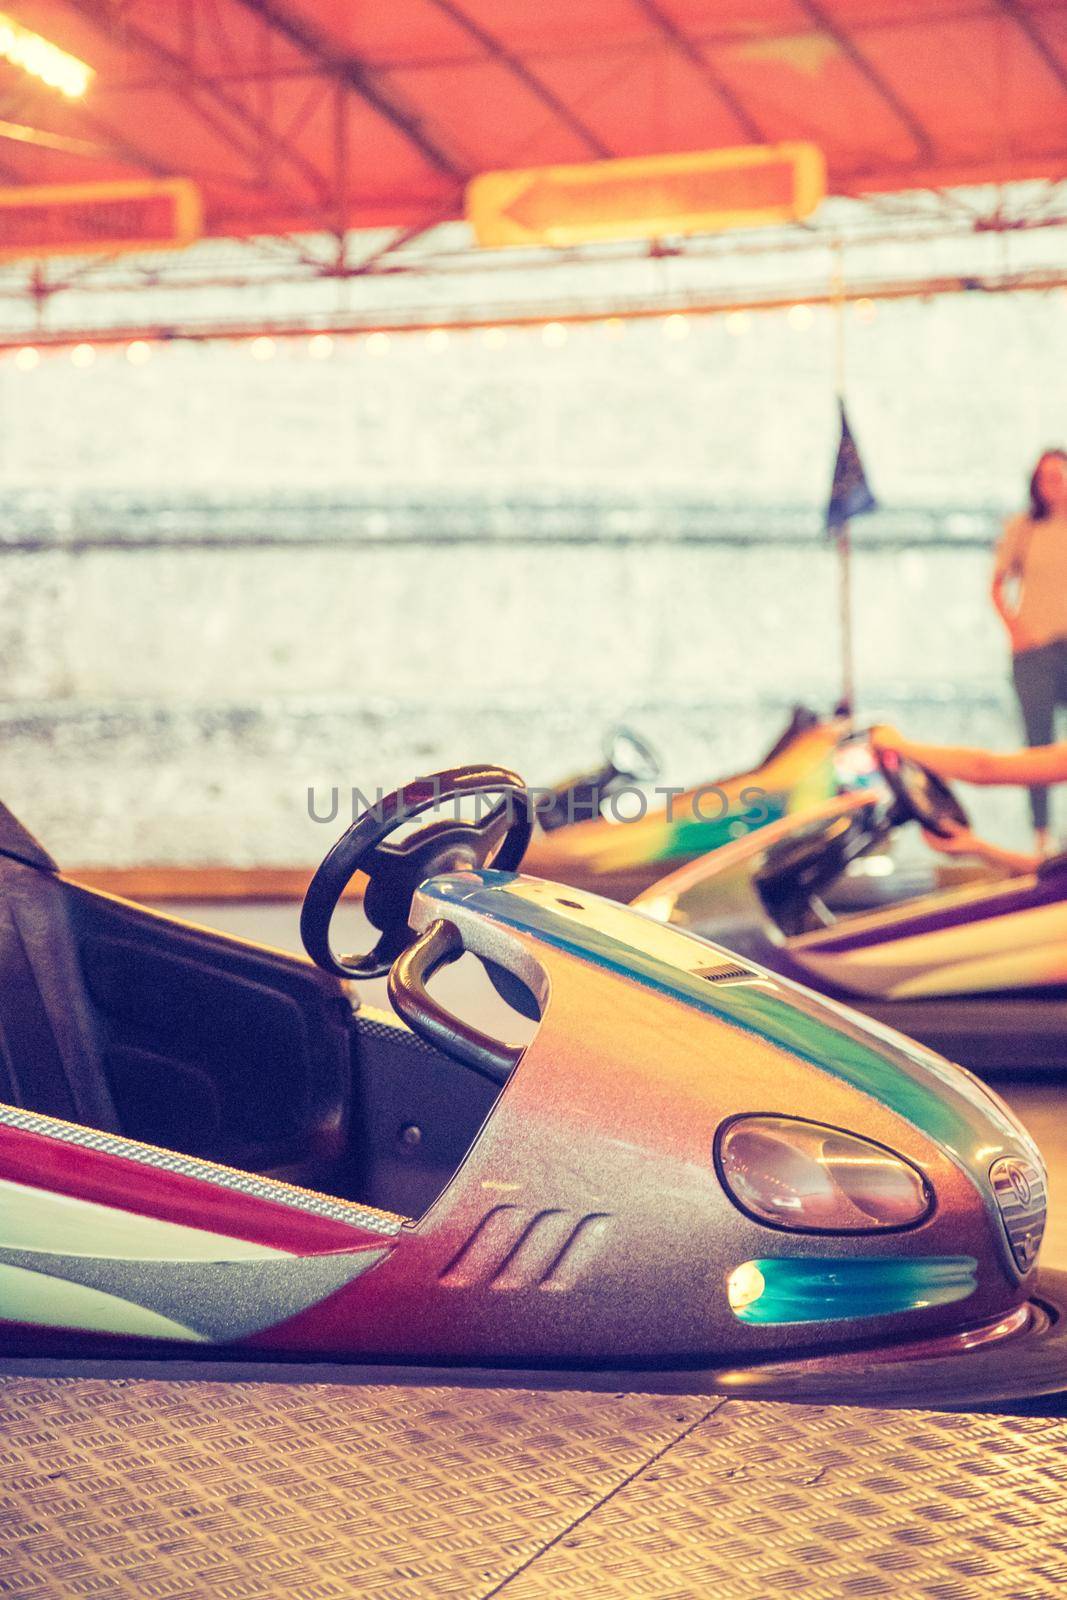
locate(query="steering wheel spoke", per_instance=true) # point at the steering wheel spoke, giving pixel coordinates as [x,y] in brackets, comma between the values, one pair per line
[392,943]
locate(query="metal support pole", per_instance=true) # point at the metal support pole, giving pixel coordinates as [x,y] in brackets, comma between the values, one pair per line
[844,567]
[847,701]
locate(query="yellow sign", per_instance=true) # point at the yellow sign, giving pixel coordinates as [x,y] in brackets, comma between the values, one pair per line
[99,218]
[647,197]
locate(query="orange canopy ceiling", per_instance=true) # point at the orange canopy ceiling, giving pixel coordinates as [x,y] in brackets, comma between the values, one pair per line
[299,115]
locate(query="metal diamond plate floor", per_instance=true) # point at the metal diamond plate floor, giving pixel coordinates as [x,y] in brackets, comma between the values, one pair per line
[164,1490]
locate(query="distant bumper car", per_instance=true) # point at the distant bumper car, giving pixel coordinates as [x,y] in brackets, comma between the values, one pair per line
[629,761]
[592,838]
[977,971]
[694,1176]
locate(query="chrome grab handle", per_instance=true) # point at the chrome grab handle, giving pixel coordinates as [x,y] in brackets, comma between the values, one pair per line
[442,942]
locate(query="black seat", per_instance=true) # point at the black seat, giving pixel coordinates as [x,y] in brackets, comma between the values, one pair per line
[135,1023]
[138,1024]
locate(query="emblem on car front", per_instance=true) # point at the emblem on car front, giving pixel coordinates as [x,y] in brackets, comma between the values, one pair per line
[1019,1182]
[1019,1186]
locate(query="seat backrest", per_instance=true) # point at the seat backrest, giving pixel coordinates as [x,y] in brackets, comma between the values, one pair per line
[50,1056]
[141,1024]
[18,843]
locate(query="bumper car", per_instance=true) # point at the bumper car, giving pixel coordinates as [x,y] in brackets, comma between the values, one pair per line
[694,1176]
[586,837]
[975,970]
[629,762]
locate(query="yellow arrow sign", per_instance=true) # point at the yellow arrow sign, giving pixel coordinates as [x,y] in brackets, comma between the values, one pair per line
[647,197]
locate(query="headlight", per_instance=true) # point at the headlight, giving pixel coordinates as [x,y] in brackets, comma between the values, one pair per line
[816,1179]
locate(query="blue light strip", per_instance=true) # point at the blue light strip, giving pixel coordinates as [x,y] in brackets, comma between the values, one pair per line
[836,1289]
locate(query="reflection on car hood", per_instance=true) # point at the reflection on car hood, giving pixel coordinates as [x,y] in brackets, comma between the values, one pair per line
[944,1102]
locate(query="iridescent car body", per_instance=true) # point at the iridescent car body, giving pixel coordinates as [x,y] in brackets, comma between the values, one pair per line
[693,1174]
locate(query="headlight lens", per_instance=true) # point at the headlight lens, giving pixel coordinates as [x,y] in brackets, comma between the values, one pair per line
[803,1175]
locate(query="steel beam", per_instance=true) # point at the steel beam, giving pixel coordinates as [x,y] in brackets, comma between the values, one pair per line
[320,50]
[884,90]
[685,46]
[184,78]
[523,74]
[1026,22]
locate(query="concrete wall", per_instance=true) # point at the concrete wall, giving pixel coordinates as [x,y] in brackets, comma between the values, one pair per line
[223,580]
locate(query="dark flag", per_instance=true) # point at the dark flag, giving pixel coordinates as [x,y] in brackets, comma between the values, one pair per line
[850,493]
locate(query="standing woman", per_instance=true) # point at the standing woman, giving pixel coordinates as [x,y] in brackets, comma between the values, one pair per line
[1030,595]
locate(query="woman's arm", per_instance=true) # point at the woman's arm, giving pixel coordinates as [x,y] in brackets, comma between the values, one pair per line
[1005,611]
[1007,569]
[1045,763]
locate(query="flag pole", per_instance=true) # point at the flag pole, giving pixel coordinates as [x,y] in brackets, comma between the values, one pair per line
[844,532]
[848,674]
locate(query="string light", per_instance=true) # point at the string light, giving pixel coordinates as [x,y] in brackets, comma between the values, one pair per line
[319,346]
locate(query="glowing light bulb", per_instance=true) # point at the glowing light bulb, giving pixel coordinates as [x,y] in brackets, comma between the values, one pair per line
[866,310]
[138,352]
[676,326]
[800,317]
[437,338]
[83,355]
[261,349]
[27,358]
[554,334]
[42,59]
[495,338]
[320,347]
[737,322]
[744,1286]
[378,343]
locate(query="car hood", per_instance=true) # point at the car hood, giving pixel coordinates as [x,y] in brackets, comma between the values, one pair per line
[943,1101]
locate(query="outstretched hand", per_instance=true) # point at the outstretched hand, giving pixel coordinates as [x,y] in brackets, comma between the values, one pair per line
[1021,639]
[884,736]
[956,841]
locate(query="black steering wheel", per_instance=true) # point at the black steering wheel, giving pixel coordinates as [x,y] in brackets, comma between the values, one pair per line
[631,757]
[395,871]
[627,759]
[919,795]
[797,869]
